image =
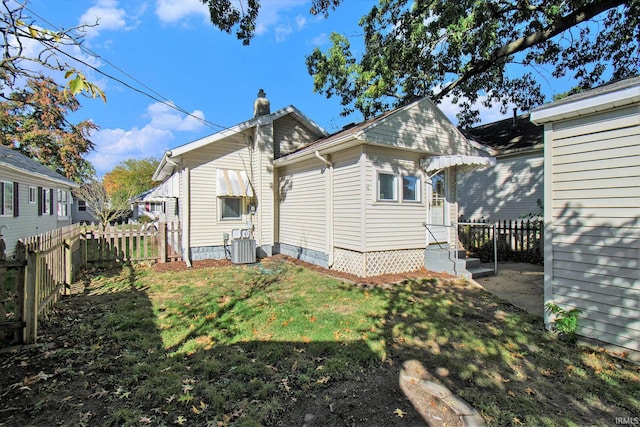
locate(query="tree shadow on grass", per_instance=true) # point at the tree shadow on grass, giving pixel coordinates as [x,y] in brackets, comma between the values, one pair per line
[104,360]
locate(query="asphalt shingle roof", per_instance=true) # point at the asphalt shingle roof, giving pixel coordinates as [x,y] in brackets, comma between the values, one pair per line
[15,159]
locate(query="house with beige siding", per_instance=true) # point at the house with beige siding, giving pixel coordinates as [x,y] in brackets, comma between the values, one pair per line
[514,187]
[34,198]
[367,200]
[592,210]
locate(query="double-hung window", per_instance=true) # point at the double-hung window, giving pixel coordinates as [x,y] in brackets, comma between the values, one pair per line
[63,203]
[410,188]
[7,208]
[231,207]
[387,187]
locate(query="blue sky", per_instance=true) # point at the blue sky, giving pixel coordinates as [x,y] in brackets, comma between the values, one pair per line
[169,49]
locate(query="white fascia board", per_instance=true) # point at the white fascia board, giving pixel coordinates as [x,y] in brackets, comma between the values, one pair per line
[348,141]
[589,105]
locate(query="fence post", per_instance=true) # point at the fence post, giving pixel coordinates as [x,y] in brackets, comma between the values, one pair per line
[31,299]
[162,242]
[18,335]
[68,266]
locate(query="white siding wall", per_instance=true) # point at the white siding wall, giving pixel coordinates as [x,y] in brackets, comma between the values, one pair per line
[593,211]
[303,205]
[289,135]
[349,207]
[508,190]
[421,126]
[28,222]
[206,227]
[263,177]
[393,225]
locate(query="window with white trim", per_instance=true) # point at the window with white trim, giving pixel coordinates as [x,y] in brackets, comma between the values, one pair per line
[231,207]
[410,188]
[33,194]
[7,198]
[387,187]
[46,201]
[63,203]
[82,206]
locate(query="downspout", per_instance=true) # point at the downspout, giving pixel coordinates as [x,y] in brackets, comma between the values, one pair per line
[186,232]
[330,206]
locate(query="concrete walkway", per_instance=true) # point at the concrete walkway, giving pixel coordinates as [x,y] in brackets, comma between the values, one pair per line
[522,284]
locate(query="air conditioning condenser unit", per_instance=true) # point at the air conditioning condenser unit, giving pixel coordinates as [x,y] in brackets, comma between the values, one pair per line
[243,251]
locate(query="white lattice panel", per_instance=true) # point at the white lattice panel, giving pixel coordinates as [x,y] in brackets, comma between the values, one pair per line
[376,263]
[349,262]
[390,262]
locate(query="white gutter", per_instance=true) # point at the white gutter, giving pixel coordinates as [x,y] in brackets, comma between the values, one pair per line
[329,206]
[348,141]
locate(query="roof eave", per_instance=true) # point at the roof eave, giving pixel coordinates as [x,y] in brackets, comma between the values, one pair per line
[60,180]
[563,110]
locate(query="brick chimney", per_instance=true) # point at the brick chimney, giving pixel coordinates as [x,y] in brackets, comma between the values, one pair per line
[261,106]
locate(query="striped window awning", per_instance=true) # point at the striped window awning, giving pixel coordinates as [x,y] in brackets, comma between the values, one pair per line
[437,163]
[233,183]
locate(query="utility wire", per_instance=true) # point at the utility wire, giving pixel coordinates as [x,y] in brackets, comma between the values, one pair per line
[158,97]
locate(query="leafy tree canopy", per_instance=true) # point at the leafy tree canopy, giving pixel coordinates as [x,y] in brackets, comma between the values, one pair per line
[33,121]
[497,49]
[230,15]
[18,32]
[130,178]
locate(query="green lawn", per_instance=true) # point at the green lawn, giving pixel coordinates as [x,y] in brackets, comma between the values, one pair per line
[251,345]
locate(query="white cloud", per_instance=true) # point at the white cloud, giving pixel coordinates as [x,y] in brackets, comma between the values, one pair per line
[107,15]
[320,40]
[116,145]
[170,11]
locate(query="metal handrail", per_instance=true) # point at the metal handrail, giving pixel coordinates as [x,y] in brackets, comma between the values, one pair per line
[455,225]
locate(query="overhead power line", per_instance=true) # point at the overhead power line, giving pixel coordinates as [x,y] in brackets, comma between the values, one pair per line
[156,95]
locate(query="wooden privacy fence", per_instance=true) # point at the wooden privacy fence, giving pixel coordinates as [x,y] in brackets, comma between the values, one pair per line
[45,266]
[517,240]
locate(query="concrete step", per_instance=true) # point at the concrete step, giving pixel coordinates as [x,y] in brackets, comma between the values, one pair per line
[473,263]
[477,272]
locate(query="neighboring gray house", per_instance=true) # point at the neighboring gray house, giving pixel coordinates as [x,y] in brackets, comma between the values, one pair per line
[592,209]
[356,201]
[512,188]
[34,198]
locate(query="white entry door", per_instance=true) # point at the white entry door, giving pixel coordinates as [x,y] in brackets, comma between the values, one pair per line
[437,232]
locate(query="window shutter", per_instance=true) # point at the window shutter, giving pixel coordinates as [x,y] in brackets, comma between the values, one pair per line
[2,198]
[51,201]
[40,201]
[16,200]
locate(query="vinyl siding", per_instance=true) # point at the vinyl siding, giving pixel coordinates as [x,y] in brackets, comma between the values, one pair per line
[303,205]
[289,135]
[421,126]
[348,199]
[594,222]
[393,225]
[206,227]
[506,191]
[28,222]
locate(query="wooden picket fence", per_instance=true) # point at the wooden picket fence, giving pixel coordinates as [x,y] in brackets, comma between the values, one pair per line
[44,267]
[517,240]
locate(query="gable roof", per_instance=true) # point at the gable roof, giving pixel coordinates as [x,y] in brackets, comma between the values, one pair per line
[508,135]
[362,133]
[605,97]
[166,166]
[13,159]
